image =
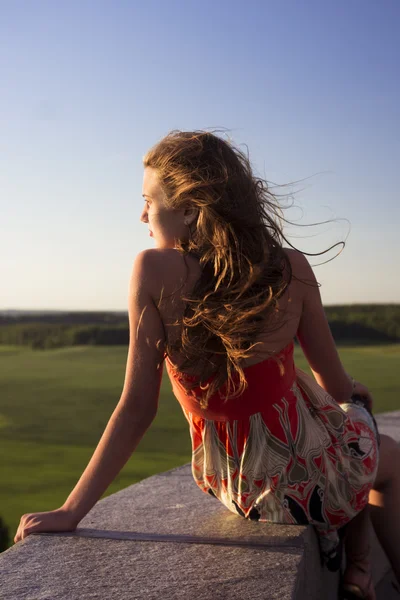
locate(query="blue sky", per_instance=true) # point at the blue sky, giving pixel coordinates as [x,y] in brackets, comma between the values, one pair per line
[311,87]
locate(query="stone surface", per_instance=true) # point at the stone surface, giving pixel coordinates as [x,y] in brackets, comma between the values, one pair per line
[171,504]
[75,568]
[389,423]
[164,538]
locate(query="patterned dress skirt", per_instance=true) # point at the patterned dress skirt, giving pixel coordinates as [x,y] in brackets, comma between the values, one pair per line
[300,458]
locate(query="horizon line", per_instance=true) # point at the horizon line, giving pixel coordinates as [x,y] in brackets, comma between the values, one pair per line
[125,310]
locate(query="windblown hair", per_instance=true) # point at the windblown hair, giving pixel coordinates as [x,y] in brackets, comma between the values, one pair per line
[238,240]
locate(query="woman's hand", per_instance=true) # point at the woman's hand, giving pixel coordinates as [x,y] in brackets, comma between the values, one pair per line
[361,390]
[53,520]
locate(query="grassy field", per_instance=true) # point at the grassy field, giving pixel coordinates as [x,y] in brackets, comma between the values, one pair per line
[54,406]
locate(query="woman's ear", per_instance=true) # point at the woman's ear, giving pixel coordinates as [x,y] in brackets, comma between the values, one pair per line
[190,215]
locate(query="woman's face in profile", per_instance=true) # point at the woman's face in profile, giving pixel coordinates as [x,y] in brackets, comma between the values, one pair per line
[165,224]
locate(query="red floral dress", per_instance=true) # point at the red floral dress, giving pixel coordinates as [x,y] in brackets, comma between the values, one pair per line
[284,451]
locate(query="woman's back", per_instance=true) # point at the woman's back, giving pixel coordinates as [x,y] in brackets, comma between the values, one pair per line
[177,276]
[270,453]
[274,457]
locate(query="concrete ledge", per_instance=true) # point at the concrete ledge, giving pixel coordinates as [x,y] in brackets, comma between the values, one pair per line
[163,538]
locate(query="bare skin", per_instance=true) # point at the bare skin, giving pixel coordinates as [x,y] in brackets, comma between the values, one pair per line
[159,279]
[300,314]
[179,280]
[384,501]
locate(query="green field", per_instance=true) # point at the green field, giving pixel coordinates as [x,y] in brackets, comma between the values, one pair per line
[54,406]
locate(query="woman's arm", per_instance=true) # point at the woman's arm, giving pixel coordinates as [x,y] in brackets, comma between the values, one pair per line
[138,404]
[316,339]
[123,433]
[133,415]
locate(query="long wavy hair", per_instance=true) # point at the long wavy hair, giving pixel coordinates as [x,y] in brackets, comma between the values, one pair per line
[237,238]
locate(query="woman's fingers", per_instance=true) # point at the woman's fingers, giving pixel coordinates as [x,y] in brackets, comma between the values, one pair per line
[25,527]
[17,536]
[53,520]
[363,391]
[368,398]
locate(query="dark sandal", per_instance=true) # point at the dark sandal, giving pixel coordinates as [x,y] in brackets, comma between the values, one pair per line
[352,591]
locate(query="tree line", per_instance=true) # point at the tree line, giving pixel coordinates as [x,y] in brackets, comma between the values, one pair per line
[363,323]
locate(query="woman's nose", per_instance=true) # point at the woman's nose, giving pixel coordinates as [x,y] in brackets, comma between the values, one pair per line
[143,216]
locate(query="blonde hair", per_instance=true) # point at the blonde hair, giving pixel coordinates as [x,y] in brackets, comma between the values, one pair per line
[238,241]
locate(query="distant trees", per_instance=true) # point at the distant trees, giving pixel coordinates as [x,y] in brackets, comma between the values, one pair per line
[369,322]
[42,336]
[4,536]
[358,323]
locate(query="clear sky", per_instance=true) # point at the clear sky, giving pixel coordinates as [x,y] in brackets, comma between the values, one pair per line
[88,86]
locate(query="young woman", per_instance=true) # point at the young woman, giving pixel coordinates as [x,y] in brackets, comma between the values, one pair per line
[221,300]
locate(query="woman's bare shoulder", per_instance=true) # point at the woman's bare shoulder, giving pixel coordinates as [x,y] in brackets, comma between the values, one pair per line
[169,261]
[301,268]
[166,267]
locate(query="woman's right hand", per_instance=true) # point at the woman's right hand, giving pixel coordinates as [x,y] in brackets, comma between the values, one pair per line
[53,520]
[361,390]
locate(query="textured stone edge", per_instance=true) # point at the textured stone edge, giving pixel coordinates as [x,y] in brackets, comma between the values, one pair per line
[311,580]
